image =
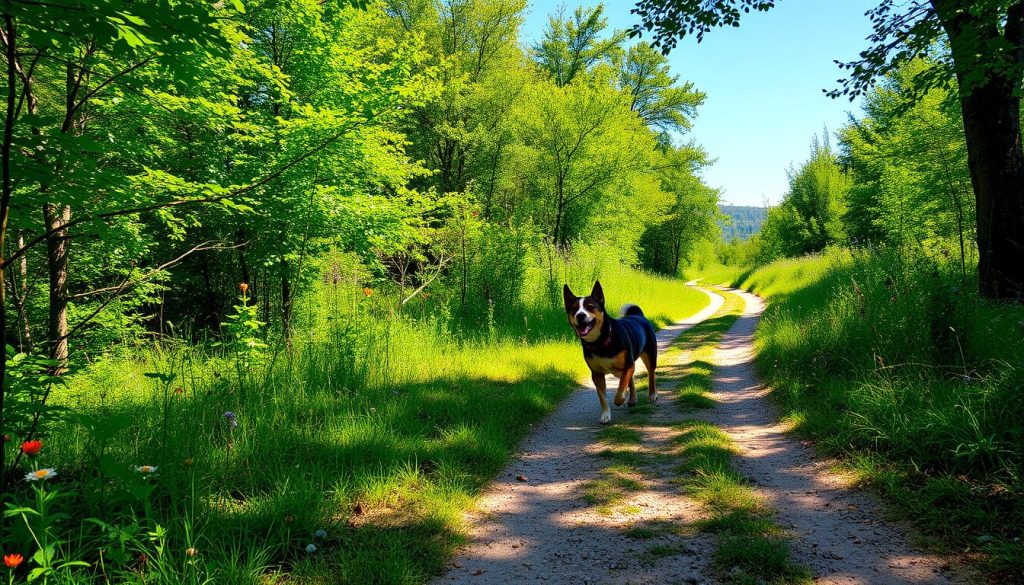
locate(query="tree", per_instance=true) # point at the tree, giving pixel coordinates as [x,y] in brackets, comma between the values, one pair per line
[654,94]
[909,165]
[985,43]
[810,216]
[693,217]
[573,46]
[582,141]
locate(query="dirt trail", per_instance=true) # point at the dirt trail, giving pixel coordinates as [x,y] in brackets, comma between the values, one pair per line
[542,530]
[838,531]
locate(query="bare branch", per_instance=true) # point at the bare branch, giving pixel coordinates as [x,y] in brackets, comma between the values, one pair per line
[128,283]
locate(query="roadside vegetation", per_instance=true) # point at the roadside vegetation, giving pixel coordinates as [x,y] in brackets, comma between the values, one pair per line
[280,281]
[894,363]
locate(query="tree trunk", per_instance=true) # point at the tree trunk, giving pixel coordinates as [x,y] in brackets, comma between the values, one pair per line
[57,244]
[286,301]
[6,189]
[992,126]
[991,113]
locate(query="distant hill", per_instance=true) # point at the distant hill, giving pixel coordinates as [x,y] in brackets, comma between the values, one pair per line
[746,221]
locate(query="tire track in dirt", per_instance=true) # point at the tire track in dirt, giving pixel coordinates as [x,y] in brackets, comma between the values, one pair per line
[838,531]
[542,530]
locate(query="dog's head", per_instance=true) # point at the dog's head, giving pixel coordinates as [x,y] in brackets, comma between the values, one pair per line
[586,314]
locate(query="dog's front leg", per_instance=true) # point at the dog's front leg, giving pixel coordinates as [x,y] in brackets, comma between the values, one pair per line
[624,382]
[599,383]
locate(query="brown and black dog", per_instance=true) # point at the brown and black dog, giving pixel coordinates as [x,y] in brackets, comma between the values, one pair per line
[612,346]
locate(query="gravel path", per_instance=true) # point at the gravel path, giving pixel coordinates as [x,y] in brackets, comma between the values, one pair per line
[838,531]
[542,530]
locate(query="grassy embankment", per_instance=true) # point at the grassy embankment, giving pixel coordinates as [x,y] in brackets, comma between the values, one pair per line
[378,427]
[895,363]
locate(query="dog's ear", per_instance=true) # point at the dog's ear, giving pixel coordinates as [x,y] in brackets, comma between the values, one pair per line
[598,293]
[568,296]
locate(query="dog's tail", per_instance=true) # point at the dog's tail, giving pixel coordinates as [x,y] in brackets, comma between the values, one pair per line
[630,309]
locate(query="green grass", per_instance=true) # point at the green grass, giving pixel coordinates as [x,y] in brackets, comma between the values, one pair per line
[892,361]
[691,381]
[378,428]
[612,488]
[750,546]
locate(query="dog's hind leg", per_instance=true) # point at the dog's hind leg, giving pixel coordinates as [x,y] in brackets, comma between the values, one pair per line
[632,393]
[624,382]
[651,364]
[599,383]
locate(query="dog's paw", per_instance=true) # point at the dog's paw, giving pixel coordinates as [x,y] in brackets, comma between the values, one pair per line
[606,417]
[631,403]
[652,397]
[619,399]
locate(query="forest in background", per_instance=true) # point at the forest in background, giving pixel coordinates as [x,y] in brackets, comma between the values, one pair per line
[250,143]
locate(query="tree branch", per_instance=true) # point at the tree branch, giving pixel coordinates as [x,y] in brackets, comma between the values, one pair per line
[175,202]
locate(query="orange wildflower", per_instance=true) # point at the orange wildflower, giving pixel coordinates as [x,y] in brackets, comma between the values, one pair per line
[32,448]
[13,560]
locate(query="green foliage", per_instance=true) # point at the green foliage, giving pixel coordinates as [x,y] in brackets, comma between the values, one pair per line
[811,213]
[909,167]
[378,426]
[890,359]
[573,46]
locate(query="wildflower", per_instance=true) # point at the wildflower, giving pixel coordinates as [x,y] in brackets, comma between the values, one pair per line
[179,390]
[288,519]
[232,419]
[142,560]
[310,548]
[13,560]
[320,533]
[31,448]
[367,291]
[245,288]
[188,462]
[146,469]
[46,473]
[7,438]
[191,551]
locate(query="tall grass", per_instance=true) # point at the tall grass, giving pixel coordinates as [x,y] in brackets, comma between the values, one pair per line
[378,424]
[893,360]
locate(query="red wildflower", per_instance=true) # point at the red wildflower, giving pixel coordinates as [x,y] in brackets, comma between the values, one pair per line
[14,560]
[245,287]
[32,448]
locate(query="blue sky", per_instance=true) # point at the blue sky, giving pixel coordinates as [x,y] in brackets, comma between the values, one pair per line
[763,82]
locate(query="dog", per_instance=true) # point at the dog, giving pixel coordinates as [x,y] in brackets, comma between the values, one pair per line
[612,346]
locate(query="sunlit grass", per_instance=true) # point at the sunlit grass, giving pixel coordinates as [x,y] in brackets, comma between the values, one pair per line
[378,427]
[750,547]
[892,360]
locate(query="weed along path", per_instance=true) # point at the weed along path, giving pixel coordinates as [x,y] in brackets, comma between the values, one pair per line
[547,529]
[837,532]
[704,488]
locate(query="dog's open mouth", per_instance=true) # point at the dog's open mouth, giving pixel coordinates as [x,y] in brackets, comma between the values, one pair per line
[584,329]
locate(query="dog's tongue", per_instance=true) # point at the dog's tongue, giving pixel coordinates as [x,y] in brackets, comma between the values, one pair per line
[585,330]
